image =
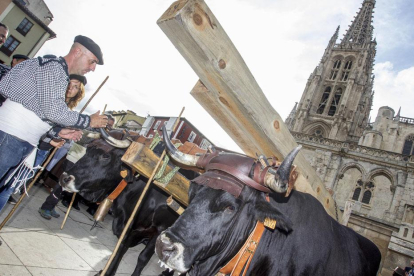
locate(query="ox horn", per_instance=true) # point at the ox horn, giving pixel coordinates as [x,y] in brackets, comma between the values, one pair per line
[122,144]
[278,180]
[175,154]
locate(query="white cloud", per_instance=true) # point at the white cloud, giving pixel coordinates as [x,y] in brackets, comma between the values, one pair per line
[394,89]
[281,42]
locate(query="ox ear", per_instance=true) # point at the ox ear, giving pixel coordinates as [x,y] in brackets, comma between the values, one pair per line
[264,210]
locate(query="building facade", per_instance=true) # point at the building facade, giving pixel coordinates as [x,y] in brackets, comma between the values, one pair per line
[367,165]
[28,22]
[185,130]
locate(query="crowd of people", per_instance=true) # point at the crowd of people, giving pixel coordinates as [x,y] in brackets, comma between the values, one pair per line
[37,98]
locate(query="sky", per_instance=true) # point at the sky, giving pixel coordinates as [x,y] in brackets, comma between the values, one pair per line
[281,41]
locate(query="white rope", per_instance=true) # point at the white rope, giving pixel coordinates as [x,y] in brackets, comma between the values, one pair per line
[23,172]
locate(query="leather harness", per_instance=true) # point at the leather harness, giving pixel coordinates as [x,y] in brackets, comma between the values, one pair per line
[245,255]
[240,263]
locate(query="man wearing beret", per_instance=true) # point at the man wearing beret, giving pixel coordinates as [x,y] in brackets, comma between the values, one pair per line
[16,59]
[35,92]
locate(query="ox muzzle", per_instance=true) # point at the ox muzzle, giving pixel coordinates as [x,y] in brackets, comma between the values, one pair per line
[171,254]
[68,183]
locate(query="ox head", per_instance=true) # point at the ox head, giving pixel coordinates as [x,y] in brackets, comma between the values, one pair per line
[225,204]
[98,172]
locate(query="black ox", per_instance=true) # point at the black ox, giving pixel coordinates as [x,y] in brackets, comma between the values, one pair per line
[223,210]
[96,175]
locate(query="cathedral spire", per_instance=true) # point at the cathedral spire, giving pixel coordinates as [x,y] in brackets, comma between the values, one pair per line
[334,37]
[361,29]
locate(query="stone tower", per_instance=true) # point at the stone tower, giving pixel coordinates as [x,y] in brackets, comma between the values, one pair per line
[368,167]
[338,95]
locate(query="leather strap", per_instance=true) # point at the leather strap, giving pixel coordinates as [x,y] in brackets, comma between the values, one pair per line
[115,193]
[245,255]
[237,174]
[205,159]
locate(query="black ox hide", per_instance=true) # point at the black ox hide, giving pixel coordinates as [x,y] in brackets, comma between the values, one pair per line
[97,174]
[307,241]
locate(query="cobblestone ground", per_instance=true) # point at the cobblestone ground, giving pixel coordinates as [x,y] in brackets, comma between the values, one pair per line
[32,245]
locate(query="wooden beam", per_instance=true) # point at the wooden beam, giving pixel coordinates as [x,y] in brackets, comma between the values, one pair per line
[230,93]
[144,160]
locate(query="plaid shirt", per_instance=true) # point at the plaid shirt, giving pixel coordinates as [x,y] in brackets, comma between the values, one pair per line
[40,85]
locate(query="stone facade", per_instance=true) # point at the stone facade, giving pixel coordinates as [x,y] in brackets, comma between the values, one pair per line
[367,165]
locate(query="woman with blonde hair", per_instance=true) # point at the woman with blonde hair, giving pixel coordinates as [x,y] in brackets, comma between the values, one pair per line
[74,94]
[76,90]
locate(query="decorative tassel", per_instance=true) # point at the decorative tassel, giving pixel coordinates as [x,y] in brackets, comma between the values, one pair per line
[270,223]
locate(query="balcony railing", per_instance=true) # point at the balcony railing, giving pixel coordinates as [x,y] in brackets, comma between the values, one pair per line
[407,120]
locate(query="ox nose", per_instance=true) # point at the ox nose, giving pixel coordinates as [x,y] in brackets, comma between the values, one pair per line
[65,179]
[164,248]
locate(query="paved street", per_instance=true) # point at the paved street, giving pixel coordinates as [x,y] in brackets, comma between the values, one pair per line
[35,246]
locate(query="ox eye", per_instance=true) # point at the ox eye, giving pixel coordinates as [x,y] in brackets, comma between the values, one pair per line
[230,208]
[105,156]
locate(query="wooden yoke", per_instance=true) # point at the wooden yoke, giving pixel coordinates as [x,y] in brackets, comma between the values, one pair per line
[230,93]
[143,160]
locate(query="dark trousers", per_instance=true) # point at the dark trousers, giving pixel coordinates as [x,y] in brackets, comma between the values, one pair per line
[53,199]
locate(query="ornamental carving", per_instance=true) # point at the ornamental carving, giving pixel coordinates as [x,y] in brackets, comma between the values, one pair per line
[352,147]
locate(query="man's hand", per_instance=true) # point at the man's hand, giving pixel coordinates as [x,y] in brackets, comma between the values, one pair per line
[71,134]
[57,143]
[98,121]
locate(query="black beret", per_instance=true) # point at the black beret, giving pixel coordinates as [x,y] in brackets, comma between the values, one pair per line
[82,79]
[91,46]
[18,56]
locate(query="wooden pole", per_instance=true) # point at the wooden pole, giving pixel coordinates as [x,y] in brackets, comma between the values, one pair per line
[74,194]
[67,211]
[230,94]
[103,111]
[28,189]
[94,94]
[138,204]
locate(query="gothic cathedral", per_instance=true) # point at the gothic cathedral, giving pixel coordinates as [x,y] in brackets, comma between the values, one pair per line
[368,166]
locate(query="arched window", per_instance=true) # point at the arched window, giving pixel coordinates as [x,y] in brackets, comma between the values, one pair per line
[367,187]
[408,145]
[357,192]
[324,100]
[366,197]
[346,70]
[335,102]
[335,69]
